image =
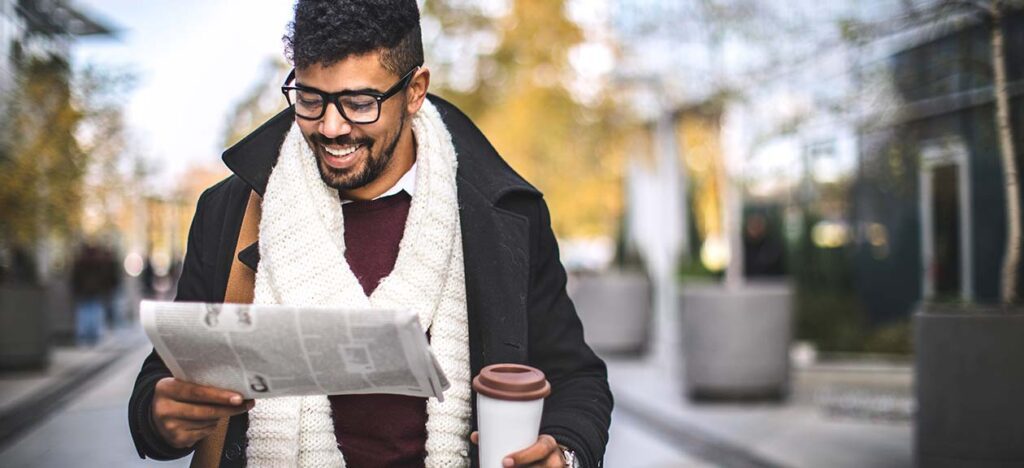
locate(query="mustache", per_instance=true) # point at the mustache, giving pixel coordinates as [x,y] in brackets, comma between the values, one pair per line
[344,140]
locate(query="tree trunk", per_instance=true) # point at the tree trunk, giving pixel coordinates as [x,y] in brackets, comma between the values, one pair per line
[1011,259]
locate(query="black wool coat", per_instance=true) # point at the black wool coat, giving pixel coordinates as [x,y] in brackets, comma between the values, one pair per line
[515,286]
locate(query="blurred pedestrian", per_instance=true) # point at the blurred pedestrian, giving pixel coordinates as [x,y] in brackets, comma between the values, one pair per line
[148,278]
[112,273]
[763,249]
[92,284]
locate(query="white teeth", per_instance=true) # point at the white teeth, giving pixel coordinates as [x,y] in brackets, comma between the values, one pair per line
[341,152]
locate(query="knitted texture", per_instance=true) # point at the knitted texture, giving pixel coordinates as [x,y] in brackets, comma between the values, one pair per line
[302,262]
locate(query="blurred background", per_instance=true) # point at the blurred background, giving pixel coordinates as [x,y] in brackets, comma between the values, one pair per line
[792,227]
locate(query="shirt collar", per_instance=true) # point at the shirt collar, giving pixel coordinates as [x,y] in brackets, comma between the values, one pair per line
[406,183]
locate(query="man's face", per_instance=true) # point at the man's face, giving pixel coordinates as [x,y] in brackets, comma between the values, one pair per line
[350,155]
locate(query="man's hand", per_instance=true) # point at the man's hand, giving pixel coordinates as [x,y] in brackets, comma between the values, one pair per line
[545,453]
[184,413]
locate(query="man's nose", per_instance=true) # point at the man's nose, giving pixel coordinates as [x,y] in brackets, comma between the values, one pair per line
[333,125]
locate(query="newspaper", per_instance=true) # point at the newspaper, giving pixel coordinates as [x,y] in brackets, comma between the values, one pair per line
[263,351]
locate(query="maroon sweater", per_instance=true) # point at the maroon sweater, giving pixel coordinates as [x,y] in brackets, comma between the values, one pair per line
[378,430]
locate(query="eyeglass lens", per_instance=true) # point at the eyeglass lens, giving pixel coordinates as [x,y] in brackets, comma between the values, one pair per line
[358,108]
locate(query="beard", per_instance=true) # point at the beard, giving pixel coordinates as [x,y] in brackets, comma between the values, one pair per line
[352,178]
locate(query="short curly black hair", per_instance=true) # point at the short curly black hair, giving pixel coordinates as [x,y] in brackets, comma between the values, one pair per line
[325,32]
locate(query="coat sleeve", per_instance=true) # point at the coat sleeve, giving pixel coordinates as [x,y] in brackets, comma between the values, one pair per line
[578,411]
[192,286]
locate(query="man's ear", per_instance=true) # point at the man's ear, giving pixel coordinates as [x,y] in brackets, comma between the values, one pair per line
[417,90]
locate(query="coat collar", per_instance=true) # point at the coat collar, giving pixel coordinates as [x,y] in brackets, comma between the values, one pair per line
[252,158]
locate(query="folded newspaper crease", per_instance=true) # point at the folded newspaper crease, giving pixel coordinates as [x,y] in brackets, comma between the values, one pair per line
[263,351]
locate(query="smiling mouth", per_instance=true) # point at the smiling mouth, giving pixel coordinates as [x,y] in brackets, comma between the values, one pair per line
[339,152]
[341,158]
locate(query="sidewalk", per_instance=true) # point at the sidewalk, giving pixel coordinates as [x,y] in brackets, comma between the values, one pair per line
[26,397]
[847,414]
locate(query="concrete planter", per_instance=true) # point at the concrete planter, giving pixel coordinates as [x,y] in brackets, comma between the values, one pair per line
[736,342]
[61,310]
[24,327]
[615,308]
[970,386]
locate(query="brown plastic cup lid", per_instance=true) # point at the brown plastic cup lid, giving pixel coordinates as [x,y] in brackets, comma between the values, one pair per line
[511,382]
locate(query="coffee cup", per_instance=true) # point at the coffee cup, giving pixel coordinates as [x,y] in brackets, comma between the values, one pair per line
[509,404]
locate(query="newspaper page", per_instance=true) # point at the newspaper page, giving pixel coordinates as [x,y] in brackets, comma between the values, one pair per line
[263,351]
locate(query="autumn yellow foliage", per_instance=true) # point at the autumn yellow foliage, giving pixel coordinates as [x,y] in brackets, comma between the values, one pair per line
[572,152]
[41,163]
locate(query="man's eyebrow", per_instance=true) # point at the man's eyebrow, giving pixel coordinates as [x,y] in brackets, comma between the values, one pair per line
[364,90]
[360,90]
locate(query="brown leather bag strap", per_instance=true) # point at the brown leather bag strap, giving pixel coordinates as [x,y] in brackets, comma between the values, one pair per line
[241,285]
[242,279]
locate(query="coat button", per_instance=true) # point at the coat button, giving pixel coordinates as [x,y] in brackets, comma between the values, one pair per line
[234,452]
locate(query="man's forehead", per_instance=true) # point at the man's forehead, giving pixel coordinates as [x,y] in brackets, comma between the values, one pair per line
[351,73]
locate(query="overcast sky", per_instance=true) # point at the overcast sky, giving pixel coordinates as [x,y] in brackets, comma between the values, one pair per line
[194,59]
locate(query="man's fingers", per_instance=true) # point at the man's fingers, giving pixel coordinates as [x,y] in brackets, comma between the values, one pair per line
[475,437]
[198,412]
[184,413]
[186,425]
[209,395]
[538,452]
[190,392]
[198,426]
[199,434]
[189,437]
[181,432]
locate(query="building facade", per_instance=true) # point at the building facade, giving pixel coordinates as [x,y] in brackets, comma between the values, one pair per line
[930,177]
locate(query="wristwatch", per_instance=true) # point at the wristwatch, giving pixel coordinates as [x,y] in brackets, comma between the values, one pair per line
[569,457]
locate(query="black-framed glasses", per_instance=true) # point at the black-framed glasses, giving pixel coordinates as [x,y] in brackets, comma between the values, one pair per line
[358,107]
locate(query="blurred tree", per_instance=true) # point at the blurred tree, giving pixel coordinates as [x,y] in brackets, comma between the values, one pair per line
[102,136]
[521,97]
[41,164]
[459,39]
[1011,179]
[56,126]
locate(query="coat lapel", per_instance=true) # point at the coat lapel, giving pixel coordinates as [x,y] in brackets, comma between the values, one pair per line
[494,244]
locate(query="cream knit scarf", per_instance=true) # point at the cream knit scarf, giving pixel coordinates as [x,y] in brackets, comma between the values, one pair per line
[302,262]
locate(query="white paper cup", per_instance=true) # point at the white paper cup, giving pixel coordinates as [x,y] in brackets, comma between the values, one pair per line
[506,427]
[509,402]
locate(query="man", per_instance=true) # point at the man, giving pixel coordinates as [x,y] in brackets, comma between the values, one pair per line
[375,194]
